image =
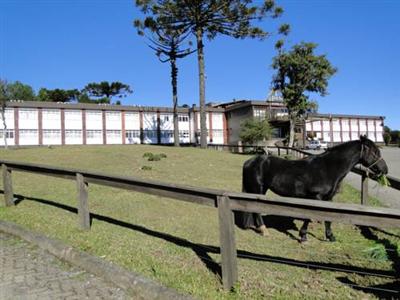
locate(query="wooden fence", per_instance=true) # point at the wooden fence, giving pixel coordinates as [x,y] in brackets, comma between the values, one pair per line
[224,201]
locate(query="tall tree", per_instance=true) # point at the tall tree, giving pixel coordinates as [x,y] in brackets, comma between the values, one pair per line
[107,90]
[57,95]
[300,72]
[4,97]
[166,42]
[210,18]
[19,91]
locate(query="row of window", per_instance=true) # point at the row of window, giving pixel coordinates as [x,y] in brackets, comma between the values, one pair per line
[93,134]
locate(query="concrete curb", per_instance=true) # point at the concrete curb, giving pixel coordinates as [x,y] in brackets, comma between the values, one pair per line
[134,284]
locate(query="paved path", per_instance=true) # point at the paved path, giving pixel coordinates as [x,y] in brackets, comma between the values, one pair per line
[387,196]
[27,272]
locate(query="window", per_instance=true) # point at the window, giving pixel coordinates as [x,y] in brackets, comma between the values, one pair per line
[167,134]
[93,134]
[113,133]
[113,116]
[28,133]
[73,133]
[130,134]
[28,114]
[150,133]
[218,133]
[75,115]
[183,118]
[51,133]
[183,133]
[51,114]
[9,134]
[259,113]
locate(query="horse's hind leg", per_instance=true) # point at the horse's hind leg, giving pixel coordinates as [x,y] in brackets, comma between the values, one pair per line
[303,231]
[260,226]
[328,232]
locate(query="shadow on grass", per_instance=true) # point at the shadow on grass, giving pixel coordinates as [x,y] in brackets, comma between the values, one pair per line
[389,290]
[203,251]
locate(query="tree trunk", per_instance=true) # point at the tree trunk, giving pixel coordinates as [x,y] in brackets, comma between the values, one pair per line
[174,81]
[292,120]
[3,116]
[200,60]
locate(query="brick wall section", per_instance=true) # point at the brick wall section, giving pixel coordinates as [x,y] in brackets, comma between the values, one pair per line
[16,126]
[322,130]
[312,127]
[158,128]
[123,127]
[141,126]
[104,127]
[210,126]
[350,130]
[62,126]
[40,126]
[225,128]
[84,126]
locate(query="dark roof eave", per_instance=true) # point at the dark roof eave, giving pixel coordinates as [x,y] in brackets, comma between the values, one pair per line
[318,115]
[89,106]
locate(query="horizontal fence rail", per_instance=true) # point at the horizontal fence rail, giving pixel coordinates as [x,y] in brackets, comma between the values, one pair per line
[226,202]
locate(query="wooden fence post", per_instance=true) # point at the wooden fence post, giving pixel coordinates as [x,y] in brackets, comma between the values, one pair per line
[227,242]
[7,186]
[83,204]
[364,189]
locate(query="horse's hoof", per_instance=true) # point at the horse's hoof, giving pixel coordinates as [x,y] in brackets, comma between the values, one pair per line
[303,239]
[331,238]
[262,230]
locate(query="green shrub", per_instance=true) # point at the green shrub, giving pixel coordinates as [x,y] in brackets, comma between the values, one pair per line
[154,157]
[163,155]
[146,168]
[147,154]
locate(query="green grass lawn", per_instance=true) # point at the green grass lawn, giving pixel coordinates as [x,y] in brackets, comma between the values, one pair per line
[175,242]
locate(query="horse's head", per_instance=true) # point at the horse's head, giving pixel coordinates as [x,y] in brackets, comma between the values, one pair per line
[371,158]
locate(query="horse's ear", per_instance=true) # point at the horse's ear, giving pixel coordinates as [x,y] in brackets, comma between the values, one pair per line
[363,138]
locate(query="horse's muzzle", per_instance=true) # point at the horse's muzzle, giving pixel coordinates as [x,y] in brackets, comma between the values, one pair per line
[380,168]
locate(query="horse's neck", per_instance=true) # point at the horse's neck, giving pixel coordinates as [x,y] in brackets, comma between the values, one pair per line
[344,157]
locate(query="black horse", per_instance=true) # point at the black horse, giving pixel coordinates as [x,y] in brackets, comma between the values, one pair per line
[314,177]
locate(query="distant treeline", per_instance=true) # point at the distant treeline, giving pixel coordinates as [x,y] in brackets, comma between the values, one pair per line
[103,92]
[391,136]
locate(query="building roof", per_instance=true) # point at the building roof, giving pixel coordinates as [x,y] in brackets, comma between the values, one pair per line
[329,116]
[109,107]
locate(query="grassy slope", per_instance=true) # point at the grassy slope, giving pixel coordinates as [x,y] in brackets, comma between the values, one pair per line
[167,240]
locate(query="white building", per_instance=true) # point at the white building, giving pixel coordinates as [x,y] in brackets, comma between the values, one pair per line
[47,123]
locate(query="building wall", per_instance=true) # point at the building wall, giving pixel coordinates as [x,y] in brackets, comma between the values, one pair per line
[338,130]
[10,133]
[94,127]
[28,121]
[132,128]
[73,127]
[234,119]
[58,124]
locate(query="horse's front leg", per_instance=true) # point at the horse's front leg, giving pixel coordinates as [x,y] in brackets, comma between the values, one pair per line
[303,231]
[328,232]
